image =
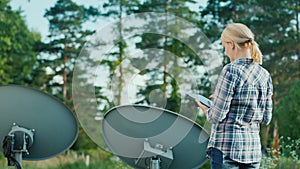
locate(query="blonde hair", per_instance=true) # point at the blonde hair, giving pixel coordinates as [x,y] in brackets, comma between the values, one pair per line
[243,37]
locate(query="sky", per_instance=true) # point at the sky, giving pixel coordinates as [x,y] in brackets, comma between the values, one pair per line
[34,11]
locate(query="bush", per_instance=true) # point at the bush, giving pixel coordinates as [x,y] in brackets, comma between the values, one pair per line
[289,154]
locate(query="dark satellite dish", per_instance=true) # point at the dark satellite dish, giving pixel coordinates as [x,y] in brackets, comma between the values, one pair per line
[34,125]
[155,138]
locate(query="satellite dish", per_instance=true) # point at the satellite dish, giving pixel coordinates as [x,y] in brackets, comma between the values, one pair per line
[155,138]
[34,125]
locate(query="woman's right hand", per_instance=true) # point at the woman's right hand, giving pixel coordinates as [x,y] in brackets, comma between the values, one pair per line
[202,107]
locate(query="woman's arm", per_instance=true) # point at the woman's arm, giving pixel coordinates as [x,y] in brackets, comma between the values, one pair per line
[223,95]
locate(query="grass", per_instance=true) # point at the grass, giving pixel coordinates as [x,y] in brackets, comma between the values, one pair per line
[99,159]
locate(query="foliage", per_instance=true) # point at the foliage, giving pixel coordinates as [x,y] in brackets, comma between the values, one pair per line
[66,38]
[83,142]
[289,155]
[165,79]
[117,9]
[17,48]
[289,111]
[99,159]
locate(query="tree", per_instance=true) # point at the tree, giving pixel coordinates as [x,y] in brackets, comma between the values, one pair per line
[173,55]
[17,48]
[117,9]
[66,39]
[289,111]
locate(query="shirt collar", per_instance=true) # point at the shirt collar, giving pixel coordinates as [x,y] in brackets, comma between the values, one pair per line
[243,61]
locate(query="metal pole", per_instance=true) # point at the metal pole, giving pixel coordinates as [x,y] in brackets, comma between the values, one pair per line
[18,157]
[155,163]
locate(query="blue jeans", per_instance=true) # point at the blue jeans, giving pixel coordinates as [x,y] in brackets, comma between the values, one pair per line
[218,161]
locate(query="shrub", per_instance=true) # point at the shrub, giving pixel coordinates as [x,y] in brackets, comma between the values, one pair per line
[289,153]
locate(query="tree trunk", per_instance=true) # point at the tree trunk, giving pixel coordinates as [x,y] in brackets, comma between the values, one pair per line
[120,86]
[65,80]
[165,53]
[276,142]
[298,25]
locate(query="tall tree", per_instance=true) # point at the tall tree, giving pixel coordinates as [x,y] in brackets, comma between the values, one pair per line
[174,54]
[118,9]
[66,38]
[18,54]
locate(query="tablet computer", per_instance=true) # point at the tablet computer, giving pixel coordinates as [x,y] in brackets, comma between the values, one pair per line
[205,101]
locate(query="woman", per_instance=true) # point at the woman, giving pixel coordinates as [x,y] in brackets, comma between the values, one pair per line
[242,102]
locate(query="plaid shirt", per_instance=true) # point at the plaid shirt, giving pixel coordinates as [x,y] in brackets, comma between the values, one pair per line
[242,102]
